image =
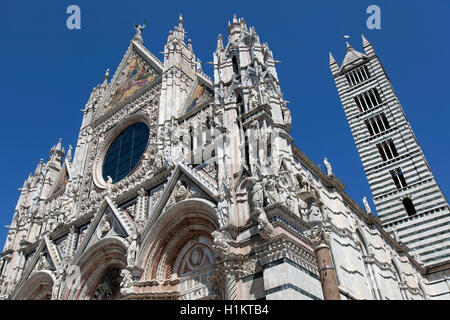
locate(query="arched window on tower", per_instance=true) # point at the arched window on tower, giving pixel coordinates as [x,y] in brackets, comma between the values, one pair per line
[269,147]
[191,144]
[409,207]
[246,148]
[240,105]
[235,65]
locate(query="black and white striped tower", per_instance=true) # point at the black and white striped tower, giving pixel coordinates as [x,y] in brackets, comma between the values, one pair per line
[406,195]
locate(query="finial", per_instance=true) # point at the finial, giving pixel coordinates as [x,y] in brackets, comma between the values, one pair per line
[69,153]
[180,20]
[139,27]
[219,41]
[38,168]
[107,74]
[349,47]
[58,146]
[199,65]
[332,60]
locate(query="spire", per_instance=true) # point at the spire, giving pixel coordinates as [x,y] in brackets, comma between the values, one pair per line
[39,166]
[180,21]
[333,65]
[56,153]
[219,42]
[69,153]
[332,61]
[178,31]
[234,29]
[199,66]
[58,146]
[367,46]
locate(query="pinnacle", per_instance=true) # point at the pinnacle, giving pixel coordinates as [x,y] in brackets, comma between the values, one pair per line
[332,60]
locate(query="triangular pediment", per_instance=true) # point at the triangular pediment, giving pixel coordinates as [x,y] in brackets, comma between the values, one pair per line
[45,257]
[59,185]
[184,184]
[136,72]
[201,92]
[109,221]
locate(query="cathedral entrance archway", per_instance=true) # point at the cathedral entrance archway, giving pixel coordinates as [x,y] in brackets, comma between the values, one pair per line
[100,269]
[180,251]
[38,287]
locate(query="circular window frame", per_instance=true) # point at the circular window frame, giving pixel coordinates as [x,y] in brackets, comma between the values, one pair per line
[108,140]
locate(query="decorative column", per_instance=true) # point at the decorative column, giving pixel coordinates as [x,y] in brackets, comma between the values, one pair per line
[227,275]
[320,240]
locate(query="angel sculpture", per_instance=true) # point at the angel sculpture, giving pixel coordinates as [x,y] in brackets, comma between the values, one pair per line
[139,27]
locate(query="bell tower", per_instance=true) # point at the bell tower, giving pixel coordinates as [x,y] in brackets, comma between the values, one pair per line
[406,195]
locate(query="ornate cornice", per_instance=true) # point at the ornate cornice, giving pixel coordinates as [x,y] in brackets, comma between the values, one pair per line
[281,246]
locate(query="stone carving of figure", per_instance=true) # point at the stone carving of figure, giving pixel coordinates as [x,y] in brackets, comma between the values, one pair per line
[271,193]
[105,226]
[264,226]
[257,199]
[253,101]
[132,250]
[222,207]
[328,166]
[109,183]
[126,279]
[139,28]
[43,262]
[314,213]
[59,275]
[366,205]
[287,118]
[290,202]
[181,191]
[283,189]
[220,244]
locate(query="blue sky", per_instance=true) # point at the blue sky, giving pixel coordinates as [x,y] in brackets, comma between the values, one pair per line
[49,71]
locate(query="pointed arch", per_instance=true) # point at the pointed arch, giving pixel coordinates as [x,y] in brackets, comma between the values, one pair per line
[106,254]
[38,287]
[368,267]
[187,221]
[400,278]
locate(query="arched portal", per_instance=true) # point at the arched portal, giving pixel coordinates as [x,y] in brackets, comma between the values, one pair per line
[99,271]
[177,253]
[37,287]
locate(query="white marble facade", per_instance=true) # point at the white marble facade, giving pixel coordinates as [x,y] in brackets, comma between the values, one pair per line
[221,205]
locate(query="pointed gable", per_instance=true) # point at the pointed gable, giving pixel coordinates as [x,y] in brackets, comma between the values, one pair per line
[200,93]
[136,71]
[109,221]
[60,182]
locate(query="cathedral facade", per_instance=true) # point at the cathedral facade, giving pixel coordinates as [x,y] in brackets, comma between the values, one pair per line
[186,187]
